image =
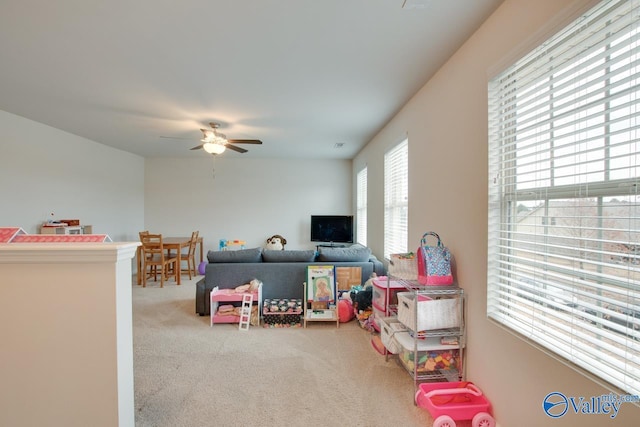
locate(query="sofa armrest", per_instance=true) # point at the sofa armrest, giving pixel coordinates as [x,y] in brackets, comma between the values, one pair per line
[200,297]
[378,266]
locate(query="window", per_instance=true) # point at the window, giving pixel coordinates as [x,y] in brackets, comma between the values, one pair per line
[361,207]
[396,199]
[564,209]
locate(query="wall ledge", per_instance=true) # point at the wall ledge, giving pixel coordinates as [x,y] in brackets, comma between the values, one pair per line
[54,253]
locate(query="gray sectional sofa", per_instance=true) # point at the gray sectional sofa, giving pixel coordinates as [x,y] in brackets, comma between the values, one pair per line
[282,272]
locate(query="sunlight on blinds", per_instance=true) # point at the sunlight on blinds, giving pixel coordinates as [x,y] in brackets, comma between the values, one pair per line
[361,206]
[564,206]
[396,199]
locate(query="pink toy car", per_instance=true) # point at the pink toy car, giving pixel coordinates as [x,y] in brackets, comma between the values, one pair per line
[459,401]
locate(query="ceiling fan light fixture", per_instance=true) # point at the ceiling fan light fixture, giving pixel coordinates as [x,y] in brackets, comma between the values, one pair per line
[219,138]
[207,136]
[214,142]
[213,137]
[213,148]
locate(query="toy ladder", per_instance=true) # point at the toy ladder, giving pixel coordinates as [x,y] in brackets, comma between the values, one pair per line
[245,312]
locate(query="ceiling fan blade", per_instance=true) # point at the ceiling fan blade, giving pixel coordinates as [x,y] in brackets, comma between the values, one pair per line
[197,148]
[234,148]
[244,141]
[175,137]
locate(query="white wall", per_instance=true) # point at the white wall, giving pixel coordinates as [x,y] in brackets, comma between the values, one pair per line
[247,199]
[44,170]
[446,123]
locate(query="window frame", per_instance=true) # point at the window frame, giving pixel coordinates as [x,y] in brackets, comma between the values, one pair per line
[361,205]
[557,207]
[396,198]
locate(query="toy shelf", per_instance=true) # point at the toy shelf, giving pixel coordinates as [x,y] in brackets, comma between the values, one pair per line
[435,352]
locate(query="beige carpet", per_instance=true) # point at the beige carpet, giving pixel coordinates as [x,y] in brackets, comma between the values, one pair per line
[190,374]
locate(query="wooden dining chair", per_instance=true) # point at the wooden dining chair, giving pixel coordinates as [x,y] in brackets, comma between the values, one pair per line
[190,256]
[140,254]
[156,260]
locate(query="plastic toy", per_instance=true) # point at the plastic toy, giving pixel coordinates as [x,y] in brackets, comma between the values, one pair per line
[224,244]
[448,402]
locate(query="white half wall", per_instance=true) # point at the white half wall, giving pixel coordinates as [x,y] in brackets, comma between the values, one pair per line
[230,197]
[67,356]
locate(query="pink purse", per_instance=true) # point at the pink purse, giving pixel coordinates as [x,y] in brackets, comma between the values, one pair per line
[434,262]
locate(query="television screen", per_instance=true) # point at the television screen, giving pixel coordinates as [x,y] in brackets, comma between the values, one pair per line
[332,228]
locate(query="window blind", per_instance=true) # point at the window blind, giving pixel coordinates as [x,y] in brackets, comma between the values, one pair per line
[396,198]
[361,206]
[564,207]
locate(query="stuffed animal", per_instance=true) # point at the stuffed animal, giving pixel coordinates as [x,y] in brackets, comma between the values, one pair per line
[276,243]
[369,282]
[254,285]
[362,300]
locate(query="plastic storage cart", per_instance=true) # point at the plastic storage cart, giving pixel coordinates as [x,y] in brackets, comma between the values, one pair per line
[448,402]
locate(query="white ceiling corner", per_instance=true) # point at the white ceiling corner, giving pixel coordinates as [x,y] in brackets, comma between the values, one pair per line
[301,75]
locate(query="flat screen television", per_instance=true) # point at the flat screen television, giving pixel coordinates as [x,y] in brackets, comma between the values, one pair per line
[332,228]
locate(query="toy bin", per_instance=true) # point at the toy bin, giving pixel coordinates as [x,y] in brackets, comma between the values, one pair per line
[448,402]
[282,312]
[429,313]
[431,354]
[377,315]
[376,342]
[389,326]
[379,292]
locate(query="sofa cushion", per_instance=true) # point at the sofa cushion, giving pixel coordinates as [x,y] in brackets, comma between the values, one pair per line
[289,256]
[355,253]
[242,255]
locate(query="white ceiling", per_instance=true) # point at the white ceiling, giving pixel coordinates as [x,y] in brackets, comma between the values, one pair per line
[301,75]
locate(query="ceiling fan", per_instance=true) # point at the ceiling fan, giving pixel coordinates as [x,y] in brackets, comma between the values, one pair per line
[214,142]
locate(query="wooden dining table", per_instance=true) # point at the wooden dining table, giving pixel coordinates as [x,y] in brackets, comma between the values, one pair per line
[171,244]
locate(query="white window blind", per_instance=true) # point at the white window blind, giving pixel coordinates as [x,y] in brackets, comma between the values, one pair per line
[396,199]
[361,206]
[564,209]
